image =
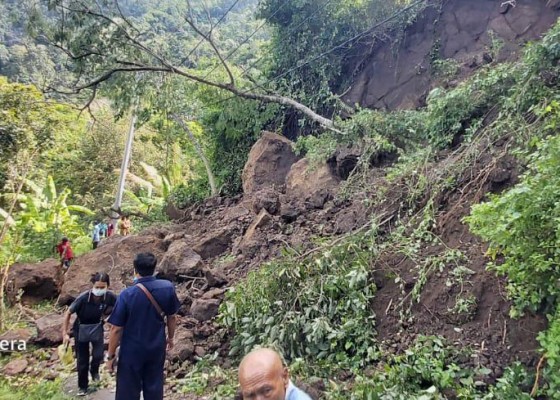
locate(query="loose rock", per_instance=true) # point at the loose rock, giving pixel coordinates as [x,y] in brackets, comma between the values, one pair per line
[205,309]
[49,330]
[15,367]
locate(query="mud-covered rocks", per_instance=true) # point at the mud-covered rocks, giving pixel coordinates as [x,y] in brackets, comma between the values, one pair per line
[266,199]
[49,330]
[268,164]
[180,262]
[205,309]
[214,243]
[15,367]
[38,282]
[214,277]
[184,345]
[311,184]
[260,221]
[14,335]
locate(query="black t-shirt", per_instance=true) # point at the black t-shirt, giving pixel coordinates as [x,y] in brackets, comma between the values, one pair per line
[90,312]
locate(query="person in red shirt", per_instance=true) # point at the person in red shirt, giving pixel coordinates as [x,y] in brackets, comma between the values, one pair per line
[65,252]
[110,229]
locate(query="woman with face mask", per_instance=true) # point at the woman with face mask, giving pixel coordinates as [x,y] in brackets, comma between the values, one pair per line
[92,308]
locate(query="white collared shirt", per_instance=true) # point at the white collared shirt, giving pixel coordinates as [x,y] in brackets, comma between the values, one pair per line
[293,393]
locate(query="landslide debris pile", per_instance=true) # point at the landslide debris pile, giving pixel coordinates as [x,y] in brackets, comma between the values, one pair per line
[287,204]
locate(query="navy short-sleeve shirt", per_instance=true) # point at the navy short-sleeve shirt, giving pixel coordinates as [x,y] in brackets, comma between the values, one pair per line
[143,328]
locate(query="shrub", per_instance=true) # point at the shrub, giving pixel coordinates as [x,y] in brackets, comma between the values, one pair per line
[316,307]
[522,225]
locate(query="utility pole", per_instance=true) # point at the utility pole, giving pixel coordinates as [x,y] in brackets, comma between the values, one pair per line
[124,169]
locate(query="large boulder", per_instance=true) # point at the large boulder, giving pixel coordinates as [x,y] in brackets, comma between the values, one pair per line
[266,199]
[37,282]
[49,330]
[15,367]
[306,183]
[184,345]
[180,261]
[205,309]
[269,162]
[214,277]
[252,238]
[14,335]
[214,243]
[114,257]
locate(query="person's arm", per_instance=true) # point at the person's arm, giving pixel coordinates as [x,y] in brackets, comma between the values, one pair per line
[171,326]
[114,341]
[65,325]
[117,319]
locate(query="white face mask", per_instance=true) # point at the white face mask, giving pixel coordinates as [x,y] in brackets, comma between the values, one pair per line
[98,292]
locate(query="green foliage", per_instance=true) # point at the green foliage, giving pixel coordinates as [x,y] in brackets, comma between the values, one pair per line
[317,149]
[550,342]
[198,380]
[449,112]
[522,225]
[191,193]
[445,69]
[315,306]
[432,370]
[44,217]
[44,390]
[231,132]
[27,122]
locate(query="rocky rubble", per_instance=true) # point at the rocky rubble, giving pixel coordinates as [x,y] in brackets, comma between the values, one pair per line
[215,244]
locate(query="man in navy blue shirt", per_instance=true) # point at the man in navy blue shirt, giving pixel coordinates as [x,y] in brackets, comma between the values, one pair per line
[138,321]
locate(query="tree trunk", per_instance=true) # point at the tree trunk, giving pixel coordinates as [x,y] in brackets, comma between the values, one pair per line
[116,208]
[200,152]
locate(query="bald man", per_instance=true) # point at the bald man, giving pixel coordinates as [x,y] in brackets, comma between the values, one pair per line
[262,376]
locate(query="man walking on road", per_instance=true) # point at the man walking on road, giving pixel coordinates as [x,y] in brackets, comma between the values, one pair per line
[138,324]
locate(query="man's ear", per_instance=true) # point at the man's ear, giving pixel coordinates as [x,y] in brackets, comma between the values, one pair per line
[286,376]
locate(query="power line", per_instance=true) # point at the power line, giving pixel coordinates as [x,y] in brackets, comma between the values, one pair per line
[315,58]
[209,32]
[248,38]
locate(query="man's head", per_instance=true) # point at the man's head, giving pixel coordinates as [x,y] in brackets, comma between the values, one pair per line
[64,239]
[145,264]
[262,376]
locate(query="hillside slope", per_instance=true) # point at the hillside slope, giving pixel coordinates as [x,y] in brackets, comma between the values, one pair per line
[462,34]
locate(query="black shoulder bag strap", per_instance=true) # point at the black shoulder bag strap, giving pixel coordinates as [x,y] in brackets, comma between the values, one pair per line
[152,300]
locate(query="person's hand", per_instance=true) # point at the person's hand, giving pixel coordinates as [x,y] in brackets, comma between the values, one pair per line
[170,344]
[66,339]
[109,365]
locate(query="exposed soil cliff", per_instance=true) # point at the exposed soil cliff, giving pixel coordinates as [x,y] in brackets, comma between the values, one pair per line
[400,74]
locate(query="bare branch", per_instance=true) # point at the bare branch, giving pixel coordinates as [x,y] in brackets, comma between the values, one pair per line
[208,38]
[167,67]
[126,19]
[87,106]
